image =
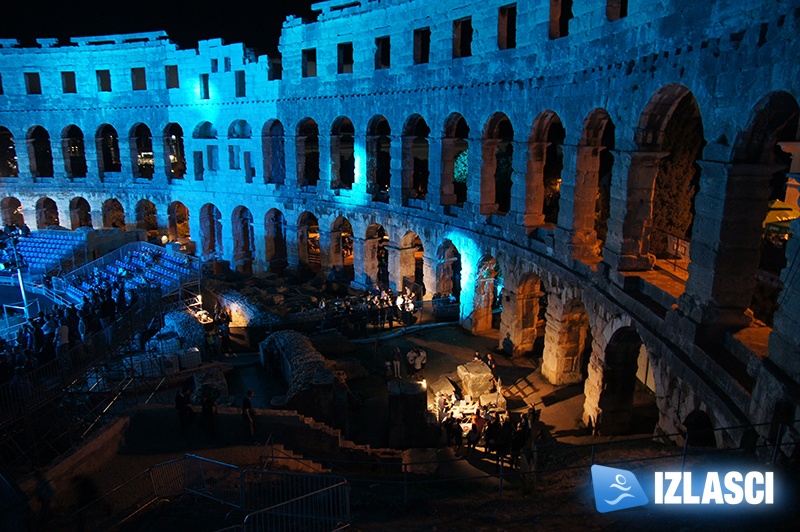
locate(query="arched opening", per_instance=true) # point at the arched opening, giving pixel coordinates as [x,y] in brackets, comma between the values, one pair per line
[522,327]
[497,170]
[46,214]
[204,130]
[308,243]
[624,404]
[147,218]
[173,147]
[679,134]
[341,256]
[240,129]
[211,232]
[545,163]
[141,142]
[11,208]
[74,152]
[39,152]
[343,162]
[412,255]
[8,154]
[752,252]
[107,142]
[379,160]
[272,147]
[699,429]
[455,160]
[448,271]
[416,171]
[307,143]
[243,244]
[376,255]
[113,214]
[568,342]
[592,200]
[178,222]
[80,213]
[275,240]
[488,286]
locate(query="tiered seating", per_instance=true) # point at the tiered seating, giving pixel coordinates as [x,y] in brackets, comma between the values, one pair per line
[144,266]
[44,250]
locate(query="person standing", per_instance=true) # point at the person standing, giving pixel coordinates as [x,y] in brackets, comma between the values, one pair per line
[396,362]
[249,416]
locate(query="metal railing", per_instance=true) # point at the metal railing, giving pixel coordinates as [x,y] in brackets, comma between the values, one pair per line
[322,510]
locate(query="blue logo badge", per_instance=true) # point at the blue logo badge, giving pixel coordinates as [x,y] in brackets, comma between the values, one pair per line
[616,489]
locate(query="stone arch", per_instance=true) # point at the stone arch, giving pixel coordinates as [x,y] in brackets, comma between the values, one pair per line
[80,213]
[174,150]
[488,286]
[448,270]
[699,429]
[308,249]
[568,341]
[107,142]
[113,214]
[412,269]
[204,130]
[341,253]
[670,132]
[240,129]
[147,217]
[455,160]
[307,145]
[273,151]
[47,213]
[275,240]
[141,145]
[211,232]
[496,169]
[343,162]
[749,260]
[416,155]
[178,222]
[8,154]
[11,209]
[376,255]
[617,382]
[545,163]
[379,158]
[243,243]
[74,151]
[592,195]
[40,153]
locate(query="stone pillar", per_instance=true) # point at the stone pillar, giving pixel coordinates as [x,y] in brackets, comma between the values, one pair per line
[632,210]
[446,172]
[291,164]
[329,243]
[784,340]
[434,197]
[482,306]
[473,202]
[566,203]
[396,267]
[397,191]
[793,186]
[578,204]
[295,256]
[161,174]
[362,279]
[566,336]
[518,188]
[403,166]
[328,164]
[429,274]
[488,190]
[533,215]
[519,321]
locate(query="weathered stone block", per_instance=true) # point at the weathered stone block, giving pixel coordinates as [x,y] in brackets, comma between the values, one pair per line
[476,379]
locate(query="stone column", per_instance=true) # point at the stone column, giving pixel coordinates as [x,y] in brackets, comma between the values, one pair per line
[434,196]
[429,274]
[362,279]
[397,192]
[329,243]
[446,171]
[403,166]
[473,203]
[518,188]
[395,267]
[784,341]
[519,321]
[566,335]
[486,173]
[161,174]
[294,255]
[632,210]
[328,164]
[564,231]
[291,164]
[533,216]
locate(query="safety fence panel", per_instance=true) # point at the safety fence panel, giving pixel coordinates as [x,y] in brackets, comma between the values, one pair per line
[323,510]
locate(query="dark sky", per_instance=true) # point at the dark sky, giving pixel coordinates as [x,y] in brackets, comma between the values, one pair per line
[256,23]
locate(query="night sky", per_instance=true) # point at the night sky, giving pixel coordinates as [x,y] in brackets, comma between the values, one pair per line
[256,23]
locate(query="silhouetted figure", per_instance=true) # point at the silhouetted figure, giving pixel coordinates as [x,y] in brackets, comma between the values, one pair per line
[249,416]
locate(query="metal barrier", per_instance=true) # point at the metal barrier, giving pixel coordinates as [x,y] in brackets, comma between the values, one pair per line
[213,480]
[322,510]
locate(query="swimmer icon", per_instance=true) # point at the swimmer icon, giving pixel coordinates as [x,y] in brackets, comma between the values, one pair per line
[616,489]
